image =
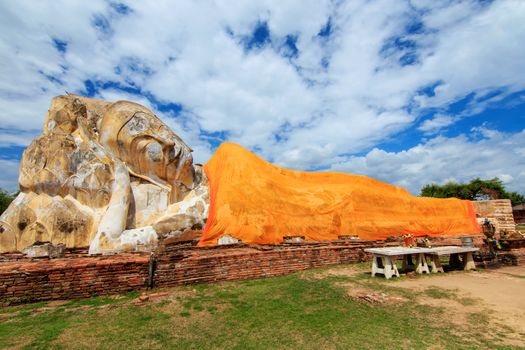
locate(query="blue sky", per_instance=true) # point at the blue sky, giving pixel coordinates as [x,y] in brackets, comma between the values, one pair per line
[408,92]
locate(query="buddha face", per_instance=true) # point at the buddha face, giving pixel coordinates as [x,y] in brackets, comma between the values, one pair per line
[148,146]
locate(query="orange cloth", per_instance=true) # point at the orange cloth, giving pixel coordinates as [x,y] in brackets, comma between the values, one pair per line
[258,202]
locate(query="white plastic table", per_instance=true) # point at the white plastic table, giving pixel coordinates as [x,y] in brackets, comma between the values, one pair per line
[383,260]
[454,252]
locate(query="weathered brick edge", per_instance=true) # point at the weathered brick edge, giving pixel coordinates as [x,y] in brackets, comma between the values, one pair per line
[23,281]
[518,253]
[31,281]
[184,267]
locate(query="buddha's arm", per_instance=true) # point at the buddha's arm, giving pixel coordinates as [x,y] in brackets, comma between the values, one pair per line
[113,222]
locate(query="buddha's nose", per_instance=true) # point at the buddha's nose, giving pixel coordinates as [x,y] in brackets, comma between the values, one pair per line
[175,152]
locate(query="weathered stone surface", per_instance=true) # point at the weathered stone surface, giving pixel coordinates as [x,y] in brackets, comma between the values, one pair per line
[227,240]
[498,212]
[293,239]
[104,175]
[45,249]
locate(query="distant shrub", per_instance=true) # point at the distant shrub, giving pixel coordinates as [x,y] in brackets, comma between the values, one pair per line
[5,200]
[476,189]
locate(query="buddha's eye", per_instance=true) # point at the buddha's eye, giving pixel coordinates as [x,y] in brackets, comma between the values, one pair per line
[154,151]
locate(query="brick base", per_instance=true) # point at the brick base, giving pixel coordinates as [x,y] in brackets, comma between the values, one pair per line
[175,267]
[36,280]
[29,280]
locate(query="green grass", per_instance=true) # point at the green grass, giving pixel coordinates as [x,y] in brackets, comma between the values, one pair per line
[308,310]
[439,293]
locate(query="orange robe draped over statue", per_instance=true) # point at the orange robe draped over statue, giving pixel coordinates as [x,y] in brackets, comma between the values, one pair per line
[259,203]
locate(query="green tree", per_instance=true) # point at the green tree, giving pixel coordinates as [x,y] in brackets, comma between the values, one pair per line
[5,200]
[516,198]
[476,189]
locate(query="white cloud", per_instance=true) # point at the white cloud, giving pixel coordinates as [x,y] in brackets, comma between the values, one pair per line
[9,177]
[340,95]
[438,122]
[443,159]
[18,138]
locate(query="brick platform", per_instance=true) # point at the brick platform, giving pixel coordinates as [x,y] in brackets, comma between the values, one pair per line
[175,267]
[516,247]
[499,211]
[28,280]
[47,279]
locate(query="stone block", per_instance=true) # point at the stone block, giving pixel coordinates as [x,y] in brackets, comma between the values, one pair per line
[45,249]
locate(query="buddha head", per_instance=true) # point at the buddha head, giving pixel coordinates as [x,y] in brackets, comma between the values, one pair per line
[147,146]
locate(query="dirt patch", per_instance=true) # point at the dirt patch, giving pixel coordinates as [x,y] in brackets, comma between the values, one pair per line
[57,303]
[82,307]
[499,294]
[155,297]
[9,315]
[23,343]
[337,271]
[372,297]
[459,310]
[363,294]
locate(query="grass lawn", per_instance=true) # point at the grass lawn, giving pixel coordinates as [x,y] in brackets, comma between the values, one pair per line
[307,310]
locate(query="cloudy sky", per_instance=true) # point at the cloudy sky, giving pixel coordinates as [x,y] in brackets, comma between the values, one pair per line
[408,92]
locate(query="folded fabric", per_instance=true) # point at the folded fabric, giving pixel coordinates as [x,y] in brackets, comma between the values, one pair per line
[260,203]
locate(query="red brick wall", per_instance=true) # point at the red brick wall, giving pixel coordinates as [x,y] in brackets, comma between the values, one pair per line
[26,280]
[190,266]
[499,211]
[29,281]
[519,253]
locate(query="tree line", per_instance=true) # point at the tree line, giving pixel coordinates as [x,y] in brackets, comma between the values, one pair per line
[476,189]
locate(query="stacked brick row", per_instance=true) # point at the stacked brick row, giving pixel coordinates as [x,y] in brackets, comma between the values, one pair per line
[187,266]
[29,281]
[477,240]
[519,253]
[516,249]
[498,210]
[25,280]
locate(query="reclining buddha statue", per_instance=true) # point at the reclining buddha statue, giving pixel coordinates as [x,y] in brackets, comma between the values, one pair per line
[113,177]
